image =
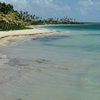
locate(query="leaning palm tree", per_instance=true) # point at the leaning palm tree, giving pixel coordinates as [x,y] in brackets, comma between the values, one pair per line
[4,23]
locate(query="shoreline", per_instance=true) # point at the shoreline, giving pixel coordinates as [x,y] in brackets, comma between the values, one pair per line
[11,36]
[4,34]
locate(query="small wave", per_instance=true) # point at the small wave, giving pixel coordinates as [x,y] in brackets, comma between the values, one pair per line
[91,34]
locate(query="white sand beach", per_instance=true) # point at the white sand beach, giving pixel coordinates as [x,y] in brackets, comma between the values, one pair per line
[11,36]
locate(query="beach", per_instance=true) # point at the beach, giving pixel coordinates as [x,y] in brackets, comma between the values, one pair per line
[11,36]
[49,50]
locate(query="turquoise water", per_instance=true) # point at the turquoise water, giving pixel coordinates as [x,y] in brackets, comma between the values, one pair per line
[56,67]
[81,27]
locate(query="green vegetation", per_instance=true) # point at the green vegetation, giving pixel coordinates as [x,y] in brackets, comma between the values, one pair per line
[11,19]
[17,27]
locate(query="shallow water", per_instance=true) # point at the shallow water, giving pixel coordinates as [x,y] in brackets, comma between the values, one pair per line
[57,67]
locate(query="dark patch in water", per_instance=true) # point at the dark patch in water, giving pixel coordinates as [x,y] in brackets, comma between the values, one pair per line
[19,99]
[41,61]
[15,62]
[51,38]
[39,70]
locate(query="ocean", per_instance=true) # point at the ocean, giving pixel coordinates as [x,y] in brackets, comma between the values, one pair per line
[56,67]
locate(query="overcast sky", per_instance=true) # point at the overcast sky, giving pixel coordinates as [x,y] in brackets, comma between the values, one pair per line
[81,10]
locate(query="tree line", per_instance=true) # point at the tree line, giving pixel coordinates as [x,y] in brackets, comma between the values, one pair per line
[10,18]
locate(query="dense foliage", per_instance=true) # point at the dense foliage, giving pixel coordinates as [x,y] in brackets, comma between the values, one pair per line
[6,8]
